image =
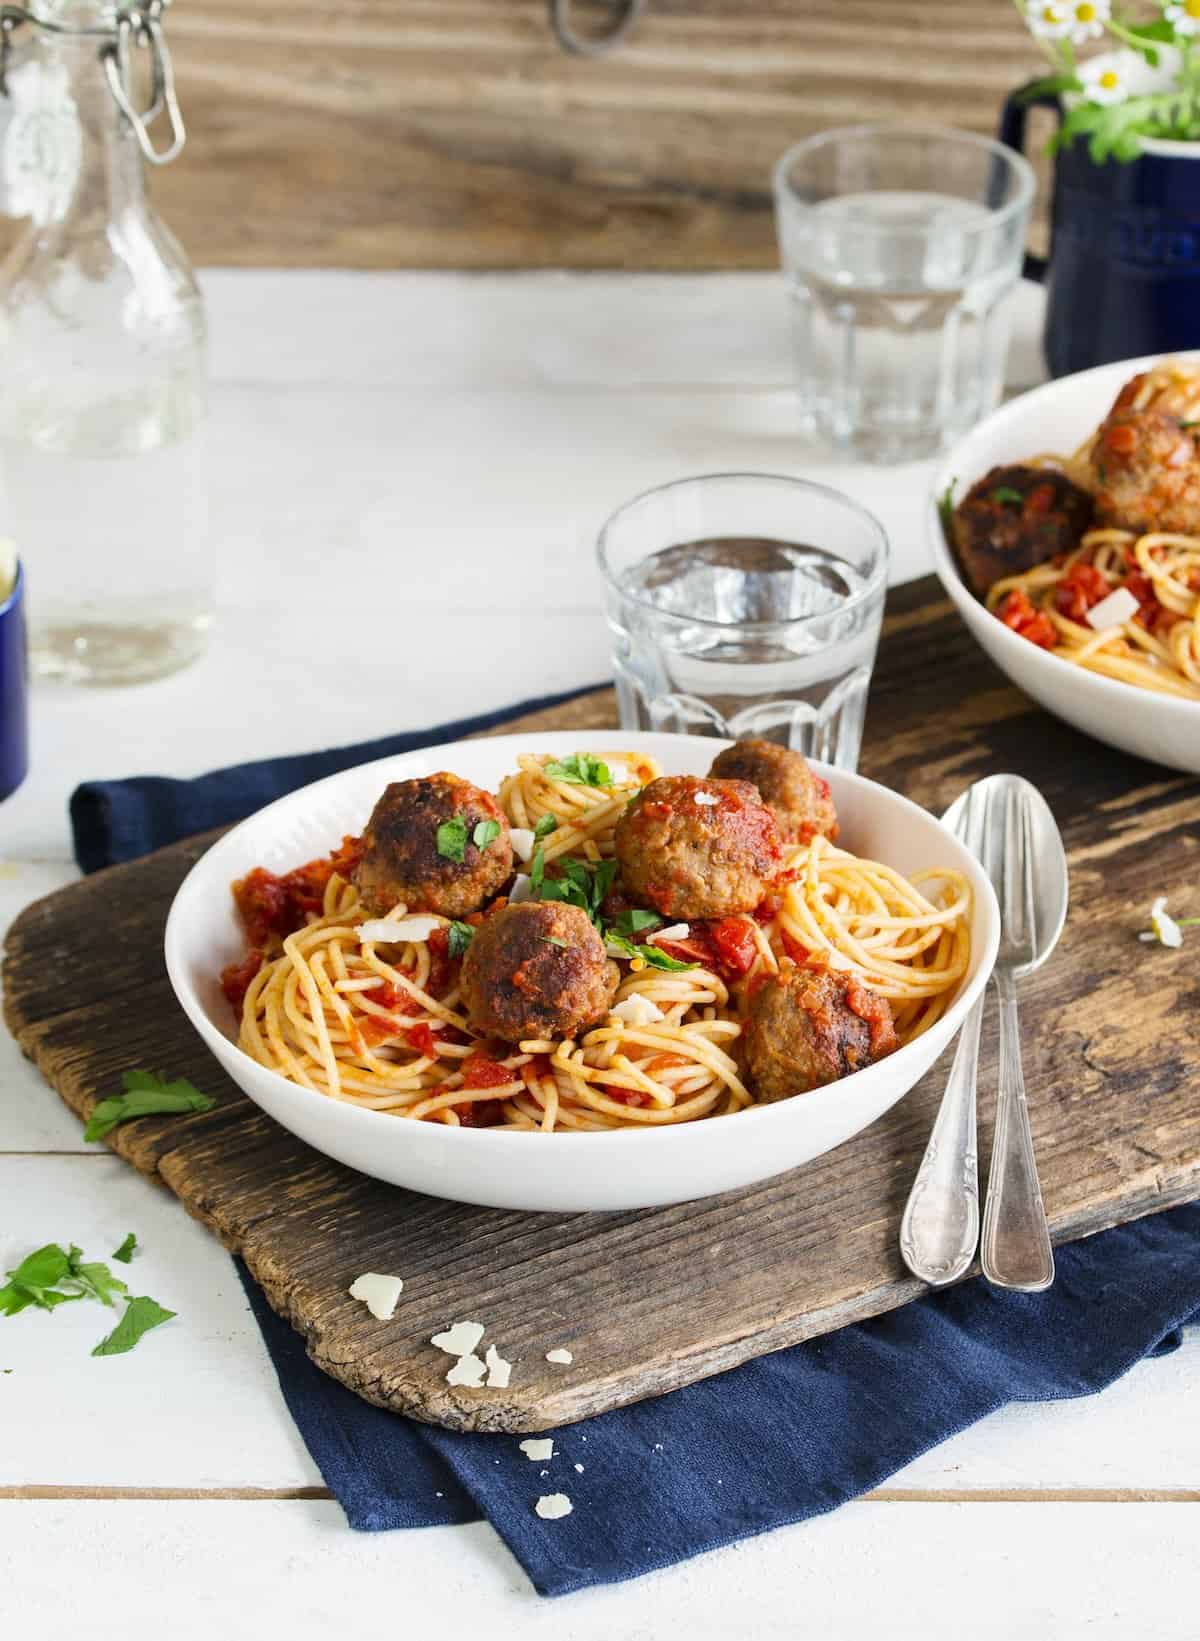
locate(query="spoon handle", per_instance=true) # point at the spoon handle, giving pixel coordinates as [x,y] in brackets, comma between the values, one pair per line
[940,1229]
[1016,1250]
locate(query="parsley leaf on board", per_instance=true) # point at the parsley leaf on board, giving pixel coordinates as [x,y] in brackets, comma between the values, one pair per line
[125,1252]
[146,1095]
[580,769]
[452,839]
[35,1282]
[486,831]
[460,937]
[544,827]
[93,1279]
[141,1314]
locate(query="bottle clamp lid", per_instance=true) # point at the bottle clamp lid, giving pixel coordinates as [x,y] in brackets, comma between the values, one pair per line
[129,26]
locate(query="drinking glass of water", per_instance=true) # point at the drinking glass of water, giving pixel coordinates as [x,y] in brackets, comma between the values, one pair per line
[744,604]
[900,247]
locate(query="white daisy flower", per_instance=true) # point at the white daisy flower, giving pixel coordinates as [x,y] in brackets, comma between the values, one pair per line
[1166,931]
[1103,81]
[1183,16]
[1087,19]
[1048,19]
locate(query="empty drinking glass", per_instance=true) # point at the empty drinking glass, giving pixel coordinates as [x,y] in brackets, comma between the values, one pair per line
[744,604]
[900,247]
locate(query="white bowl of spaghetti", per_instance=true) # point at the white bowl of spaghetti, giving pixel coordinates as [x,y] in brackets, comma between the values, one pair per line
[922,928]
[1131,678]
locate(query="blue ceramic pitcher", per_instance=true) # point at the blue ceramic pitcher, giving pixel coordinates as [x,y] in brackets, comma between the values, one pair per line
[1123,274]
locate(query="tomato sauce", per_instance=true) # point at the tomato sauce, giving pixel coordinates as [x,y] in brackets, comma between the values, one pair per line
[236,979]
[1019,614]
[273,906]
[1081,589]
[872,1008]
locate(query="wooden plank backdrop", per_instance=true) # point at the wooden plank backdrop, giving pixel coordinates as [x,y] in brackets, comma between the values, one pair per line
[458,133]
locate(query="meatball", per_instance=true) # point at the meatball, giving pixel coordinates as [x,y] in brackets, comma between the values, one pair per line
[809,1027]
[419,847]
[1014,518]
[692,847]
[1147,470]
[537,969]
[799,800]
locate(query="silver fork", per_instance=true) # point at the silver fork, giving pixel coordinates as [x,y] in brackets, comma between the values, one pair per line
[1025,859]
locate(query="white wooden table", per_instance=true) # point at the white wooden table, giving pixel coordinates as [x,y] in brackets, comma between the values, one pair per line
[396,453]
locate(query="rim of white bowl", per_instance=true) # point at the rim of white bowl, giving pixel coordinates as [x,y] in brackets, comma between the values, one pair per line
[483,1137]
[1031,655]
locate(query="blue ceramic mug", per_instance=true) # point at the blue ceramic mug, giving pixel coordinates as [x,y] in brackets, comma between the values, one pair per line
[14,704]
[1123,274]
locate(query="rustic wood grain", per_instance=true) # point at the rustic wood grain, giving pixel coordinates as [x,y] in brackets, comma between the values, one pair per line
[435,133]
[653,1300]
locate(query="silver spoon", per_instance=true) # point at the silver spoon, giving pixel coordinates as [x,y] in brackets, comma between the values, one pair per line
[1027,864]
[939,1232]
[1006,823]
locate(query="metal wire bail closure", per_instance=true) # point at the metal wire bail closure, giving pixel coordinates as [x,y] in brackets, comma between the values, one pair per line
[142,27]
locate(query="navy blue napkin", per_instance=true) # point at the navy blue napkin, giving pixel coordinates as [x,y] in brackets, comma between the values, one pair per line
[778,1440]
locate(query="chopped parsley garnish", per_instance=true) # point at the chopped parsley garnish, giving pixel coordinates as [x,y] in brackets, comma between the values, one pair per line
[452,839]
[1004,495]
[631,923]
[555,940]
[653,956]
[146,1095]
[486,831]
[141,1314]
[544,827]
[52,1276]
[945,508]
[459,938]
[581,884]
[581,769]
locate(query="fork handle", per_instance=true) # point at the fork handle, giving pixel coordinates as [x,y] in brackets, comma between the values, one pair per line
[940,1229]
[1015,1250]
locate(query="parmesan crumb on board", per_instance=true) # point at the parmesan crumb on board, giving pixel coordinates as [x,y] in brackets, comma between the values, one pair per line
[553,1506]
[498,1370]
[579,1467]
[378,1293]
[468,1370]
[459,1339]
[560,1355]
[538,1448]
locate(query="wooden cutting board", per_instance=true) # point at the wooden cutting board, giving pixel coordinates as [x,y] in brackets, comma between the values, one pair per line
[653,1300]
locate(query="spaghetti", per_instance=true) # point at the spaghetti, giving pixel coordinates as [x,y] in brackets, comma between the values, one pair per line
[1157,645]
[382,1025]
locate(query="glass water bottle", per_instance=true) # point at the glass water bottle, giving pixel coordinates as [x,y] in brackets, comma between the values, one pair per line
[103,485]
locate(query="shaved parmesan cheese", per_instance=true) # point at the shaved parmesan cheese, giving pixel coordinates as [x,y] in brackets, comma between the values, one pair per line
[391,931]
[522,889]
[618,774]
[636,1010]
[523,841]
[673,931]
[498,1370]
[707,800]
[468,1370]
[459,1340]
[378,1293]
[838,960]
[559,1355]
[538,1448]
[1113,611]
[553,1506]
[1165,926]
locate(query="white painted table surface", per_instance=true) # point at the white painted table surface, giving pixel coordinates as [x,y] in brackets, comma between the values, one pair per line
[410,472]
